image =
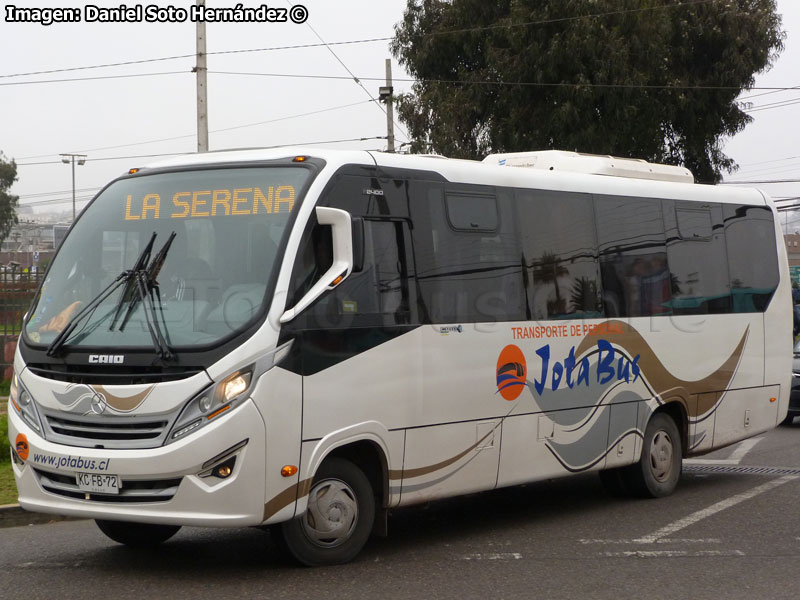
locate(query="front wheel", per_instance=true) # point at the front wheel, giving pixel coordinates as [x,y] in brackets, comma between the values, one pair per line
[659,468]
[338,520]
[137,535]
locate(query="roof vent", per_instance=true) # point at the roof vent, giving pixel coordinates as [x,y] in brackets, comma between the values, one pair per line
[592,164]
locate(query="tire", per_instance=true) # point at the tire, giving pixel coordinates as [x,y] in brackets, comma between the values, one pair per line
[137,535]
[789,420]
[338,520]
[659,468]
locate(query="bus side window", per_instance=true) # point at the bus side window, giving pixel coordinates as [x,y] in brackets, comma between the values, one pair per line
[314,258]
[379,294]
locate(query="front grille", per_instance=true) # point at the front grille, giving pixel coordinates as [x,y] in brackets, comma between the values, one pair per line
[106,431]
[112,374]
[131,490]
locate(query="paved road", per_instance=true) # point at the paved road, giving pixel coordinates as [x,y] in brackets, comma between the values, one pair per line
[726,535]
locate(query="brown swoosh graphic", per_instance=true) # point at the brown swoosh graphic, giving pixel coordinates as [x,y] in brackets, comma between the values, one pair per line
[123,404]
[286,497]
[662,381]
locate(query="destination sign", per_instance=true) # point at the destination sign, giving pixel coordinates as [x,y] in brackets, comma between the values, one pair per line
[210,203]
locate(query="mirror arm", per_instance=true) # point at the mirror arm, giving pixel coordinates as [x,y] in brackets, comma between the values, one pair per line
[342,228]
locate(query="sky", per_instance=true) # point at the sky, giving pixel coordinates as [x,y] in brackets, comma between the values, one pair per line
[137,111]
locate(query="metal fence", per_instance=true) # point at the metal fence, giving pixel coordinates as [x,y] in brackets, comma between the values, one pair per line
[17,290]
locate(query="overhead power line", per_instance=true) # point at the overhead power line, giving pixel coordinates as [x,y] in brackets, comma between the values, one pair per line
[374,100]
[192,135]
[96,78]
[367,40]
[772,105]
[40,194]
[498,83]
[774,160]
[106,158]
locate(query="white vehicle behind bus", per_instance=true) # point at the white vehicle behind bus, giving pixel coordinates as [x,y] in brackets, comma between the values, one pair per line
[306,339]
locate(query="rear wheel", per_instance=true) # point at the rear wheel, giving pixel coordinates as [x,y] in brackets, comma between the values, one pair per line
[659,468]
[338,520]
[137,535]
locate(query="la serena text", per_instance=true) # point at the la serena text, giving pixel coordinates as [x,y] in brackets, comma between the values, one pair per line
[211,203]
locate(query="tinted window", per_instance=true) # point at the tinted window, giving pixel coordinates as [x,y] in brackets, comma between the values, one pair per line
[697,257]
[694,223]
[558,239]
[633,259]
[465,276]
[752,256]
[472,213]
[378,294]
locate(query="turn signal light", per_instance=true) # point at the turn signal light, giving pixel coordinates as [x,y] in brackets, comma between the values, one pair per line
[216,413]
[288,470]
[773,399]
[300,158]
[133,171]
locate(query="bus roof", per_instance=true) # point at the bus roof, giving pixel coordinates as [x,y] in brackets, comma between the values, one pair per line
[490,172]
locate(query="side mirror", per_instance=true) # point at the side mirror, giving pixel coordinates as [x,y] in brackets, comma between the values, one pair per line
[342,228]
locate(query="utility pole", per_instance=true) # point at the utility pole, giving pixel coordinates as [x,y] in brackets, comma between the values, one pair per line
[202,91]
[386,93]
[73,158]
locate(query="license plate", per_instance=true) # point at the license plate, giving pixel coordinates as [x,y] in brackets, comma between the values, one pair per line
[98,483]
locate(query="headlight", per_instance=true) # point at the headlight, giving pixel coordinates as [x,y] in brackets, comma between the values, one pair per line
[22,401]
[212,402]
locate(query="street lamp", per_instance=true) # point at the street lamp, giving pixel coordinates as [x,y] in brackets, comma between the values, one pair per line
[73,158]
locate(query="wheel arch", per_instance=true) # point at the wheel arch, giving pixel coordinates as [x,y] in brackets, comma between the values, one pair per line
[365,445]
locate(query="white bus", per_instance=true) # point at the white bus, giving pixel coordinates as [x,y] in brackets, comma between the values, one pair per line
[306,339]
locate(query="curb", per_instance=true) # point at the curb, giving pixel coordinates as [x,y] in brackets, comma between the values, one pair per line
[13,515]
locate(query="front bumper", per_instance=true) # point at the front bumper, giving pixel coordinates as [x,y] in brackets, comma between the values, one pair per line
[159,485]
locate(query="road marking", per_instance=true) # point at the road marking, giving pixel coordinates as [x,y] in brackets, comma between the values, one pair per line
[493,556]
[734,459]
[659,541]
[671,553]
[714,509]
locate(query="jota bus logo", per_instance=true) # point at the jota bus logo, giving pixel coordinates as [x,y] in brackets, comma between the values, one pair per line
[606,366]
[21,447]
[512,372]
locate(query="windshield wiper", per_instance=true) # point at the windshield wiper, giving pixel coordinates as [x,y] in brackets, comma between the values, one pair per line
[151,282]
[147,288]
[130,277]
[59,340]
[138,281]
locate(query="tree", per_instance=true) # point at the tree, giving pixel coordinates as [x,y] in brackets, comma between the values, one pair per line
[8,202]
[652,79]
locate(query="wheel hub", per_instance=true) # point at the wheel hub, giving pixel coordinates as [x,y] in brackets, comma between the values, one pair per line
[661,456]
[332,513]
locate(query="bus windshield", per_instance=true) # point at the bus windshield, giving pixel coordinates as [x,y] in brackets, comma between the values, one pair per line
[214,276]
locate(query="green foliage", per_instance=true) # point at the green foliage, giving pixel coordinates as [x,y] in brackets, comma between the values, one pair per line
[5,446]
[8,487]
[8,202]
[620,82]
